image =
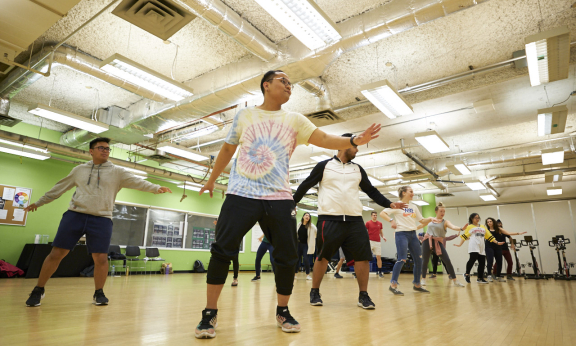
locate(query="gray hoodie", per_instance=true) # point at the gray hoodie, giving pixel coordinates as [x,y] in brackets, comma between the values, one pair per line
[96,188]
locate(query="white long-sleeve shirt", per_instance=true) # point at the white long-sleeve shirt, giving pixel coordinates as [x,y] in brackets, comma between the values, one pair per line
[407,219]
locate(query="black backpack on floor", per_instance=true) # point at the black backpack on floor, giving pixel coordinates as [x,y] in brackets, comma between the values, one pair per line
[198,267]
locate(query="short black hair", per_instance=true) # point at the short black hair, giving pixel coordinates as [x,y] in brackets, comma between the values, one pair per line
[373,213]
[97,140]
[267,76]
[348,135]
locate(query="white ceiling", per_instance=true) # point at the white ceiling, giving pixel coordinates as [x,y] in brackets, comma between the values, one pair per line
[479,36]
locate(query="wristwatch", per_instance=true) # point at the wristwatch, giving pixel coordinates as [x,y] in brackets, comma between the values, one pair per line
[391,220]
[352,141]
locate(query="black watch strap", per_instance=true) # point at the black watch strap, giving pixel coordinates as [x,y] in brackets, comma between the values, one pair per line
[352,141]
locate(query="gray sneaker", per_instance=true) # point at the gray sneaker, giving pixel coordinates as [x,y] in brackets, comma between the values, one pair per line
[395,291]
[420,289]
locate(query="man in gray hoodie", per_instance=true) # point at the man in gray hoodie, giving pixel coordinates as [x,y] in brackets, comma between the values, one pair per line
[97,183]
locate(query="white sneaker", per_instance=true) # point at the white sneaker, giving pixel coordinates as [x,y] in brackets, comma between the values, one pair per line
[423,282]
[489,278]
[500,279]
[308,277]
[458,284]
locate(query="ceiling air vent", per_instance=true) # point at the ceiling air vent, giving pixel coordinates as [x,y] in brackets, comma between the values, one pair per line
[160,156]
[8,121]
[411,173]
[324,117]
[161,18]
[444,194]
[5,68]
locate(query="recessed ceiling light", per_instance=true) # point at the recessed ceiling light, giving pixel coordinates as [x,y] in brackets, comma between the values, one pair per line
[458,168]
[385,97]
[553,177]
[552,156]
[552,120]
[552,191]
[140,75]
[488,197]
[181,151]
[305,20]
[548,55]
[136,172]
[68,118]
[320,156]
[432,142]
[420,203]
[16,144]
[20,151]
[475,185]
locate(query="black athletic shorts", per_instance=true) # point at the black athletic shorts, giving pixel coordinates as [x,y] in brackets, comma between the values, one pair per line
[351,236]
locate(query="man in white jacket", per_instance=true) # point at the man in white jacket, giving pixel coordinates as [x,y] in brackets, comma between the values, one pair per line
[340,222]
[97,183]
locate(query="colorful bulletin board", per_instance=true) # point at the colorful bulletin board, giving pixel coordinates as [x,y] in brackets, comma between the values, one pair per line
[13,200]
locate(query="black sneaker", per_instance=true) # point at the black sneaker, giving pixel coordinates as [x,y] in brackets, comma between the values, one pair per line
[395,291]
[206,329]
[482,281]
[315,299]
[285,321]
[365,302]
[338,276]
[510,278]
[466,277]
[35,297]
[256,278]
[380,275]
[354,275]
[100,298]
[420,289]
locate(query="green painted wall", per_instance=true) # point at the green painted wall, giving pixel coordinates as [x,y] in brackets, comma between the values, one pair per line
[41,176]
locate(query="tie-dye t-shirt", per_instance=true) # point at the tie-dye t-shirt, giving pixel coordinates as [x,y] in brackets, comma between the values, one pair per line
[266,141]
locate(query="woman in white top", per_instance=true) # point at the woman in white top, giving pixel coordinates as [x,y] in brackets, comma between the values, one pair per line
[405,222]
[306,242]
[476,248]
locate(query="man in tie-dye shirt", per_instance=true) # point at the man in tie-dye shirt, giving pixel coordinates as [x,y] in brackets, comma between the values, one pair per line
[258,191]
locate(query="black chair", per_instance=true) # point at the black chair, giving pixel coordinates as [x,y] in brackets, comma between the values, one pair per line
[116,249]
[152,254]
[133,254]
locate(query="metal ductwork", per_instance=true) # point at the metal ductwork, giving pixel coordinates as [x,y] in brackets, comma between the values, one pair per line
[20,79]
[229,22]
[324,114]
[237,82]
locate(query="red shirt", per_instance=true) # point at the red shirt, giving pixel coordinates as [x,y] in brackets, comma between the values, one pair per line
[374,230]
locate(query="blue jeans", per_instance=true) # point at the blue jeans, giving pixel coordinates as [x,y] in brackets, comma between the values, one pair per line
[264,246]
[407,241]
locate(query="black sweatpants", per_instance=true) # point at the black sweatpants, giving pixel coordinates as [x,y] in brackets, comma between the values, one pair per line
[491,255]
[236,266]
[475,256]
[238,215]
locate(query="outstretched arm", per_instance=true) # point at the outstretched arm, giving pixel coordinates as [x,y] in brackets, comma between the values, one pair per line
[314,178]
[455,228]
[321,139]
[509,234]
[55,192]
[224,157]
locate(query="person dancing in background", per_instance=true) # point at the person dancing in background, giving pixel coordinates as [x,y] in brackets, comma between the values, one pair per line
[495,252]
[306,243]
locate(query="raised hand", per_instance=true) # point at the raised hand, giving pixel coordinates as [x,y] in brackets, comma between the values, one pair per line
[368,135]
[465,226]
[209,186]
[164,189]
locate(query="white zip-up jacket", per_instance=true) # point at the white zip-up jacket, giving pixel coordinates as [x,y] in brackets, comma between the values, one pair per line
[338,193]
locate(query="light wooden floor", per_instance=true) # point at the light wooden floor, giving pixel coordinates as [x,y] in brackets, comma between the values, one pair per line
[163,310]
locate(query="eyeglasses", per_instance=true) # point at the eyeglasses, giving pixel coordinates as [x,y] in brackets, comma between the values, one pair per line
[284,81]
[104,149]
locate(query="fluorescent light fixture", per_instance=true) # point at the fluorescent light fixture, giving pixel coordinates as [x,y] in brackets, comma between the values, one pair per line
[68,118]
[395,181]
[553,177]
[42,150]
[136,172]
[488,197]
[140,75]
[420,203]
[304,19]
[548,55]
[201,132]
[320,156]
[191,186]
[375,181]
[553,191]
[458,168]
[385,97]
[394,193]
[19,151]
[367,208]
[475,185]
[432,142]
[181,151]
[552,120]
[552,156]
